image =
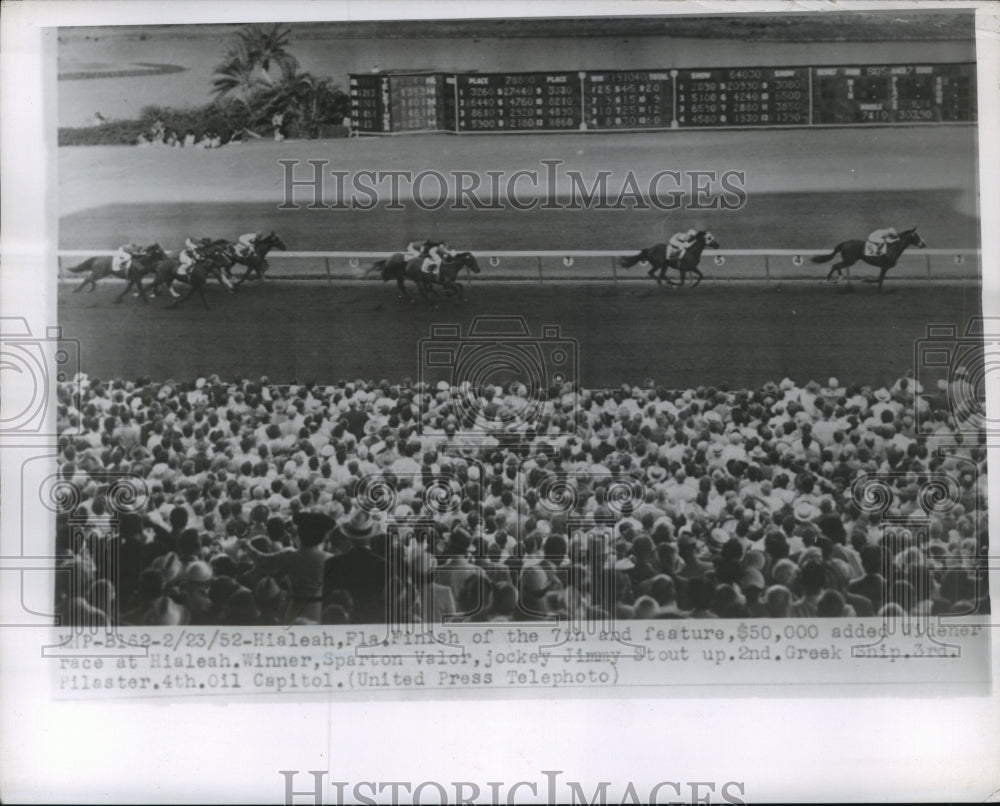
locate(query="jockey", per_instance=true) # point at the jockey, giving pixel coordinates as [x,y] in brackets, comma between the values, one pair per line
[246,245]
[415,249]
[680,242]
[122,260]
[880,239]
[194,250]
[436,255]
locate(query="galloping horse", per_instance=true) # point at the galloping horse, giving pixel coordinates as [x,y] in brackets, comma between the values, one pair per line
[398,268]
[256,263]
[656,256]
[196,278]
[101,267]
[853,251]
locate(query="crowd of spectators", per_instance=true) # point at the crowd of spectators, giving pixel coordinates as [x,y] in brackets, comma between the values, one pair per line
[251,503]
[160,135]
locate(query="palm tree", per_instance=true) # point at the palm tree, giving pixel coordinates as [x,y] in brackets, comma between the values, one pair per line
[304,99]
[259,74]
[267,46]
[237,74]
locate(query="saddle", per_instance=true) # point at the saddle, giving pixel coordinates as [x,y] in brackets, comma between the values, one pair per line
[243,250]
[874,249]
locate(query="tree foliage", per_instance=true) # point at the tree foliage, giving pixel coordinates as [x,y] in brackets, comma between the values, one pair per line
[261,74]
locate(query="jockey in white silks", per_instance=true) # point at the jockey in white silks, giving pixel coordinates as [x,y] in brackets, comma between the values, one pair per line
[680,242]
[122,259]
[415,249]
[195,249]
[246,245]
[437,255]
[190,255]
[880,239]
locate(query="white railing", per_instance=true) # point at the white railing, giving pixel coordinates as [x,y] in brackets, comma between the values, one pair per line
[631,250]
[533,265]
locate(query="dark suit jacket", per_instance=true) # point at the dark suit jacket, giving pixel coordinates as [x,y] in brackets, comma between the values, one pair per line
[361,573]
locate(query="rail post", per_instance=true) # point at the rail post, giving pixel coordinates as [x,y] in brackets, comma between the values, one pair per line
[614,270]
[326,264]
[928,259]
[767,268]
[540,279]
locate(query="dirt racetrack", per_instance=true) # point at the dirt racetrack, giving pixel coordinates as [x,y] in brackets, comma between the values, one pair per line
[741,335]
[806,189]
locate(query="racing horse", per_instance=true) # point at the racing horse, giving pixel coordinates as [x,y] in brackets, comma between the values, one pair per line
[656,257]
[256,262]
[852,251]
[101,267]
[197,276]
[400,269]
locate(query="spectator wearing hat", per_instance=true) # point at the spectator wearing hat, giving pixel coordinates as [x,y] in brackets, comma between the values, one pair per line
[457,571]
[871,586]
[165,612]
[228,465]
[436,602]
[271,601]
[194,587]
[812,580]
[359,570]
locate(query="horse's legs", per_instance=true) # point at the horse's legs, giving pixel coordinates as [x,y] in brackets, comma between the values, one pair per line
[423,288]
[699,277]
[401,284]
[201,293]
[839,268]
[881,278]
[128,286]
[652,273]
[142,291]
[178,298]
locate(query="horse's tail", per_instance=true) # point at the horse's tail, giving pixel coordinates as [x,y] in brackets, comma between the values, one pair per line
[87,265]
[826,258]
[631,260]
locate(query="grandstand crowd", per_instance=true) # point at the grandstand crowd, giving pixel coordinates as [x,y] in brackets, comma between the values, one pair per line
[249,503]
